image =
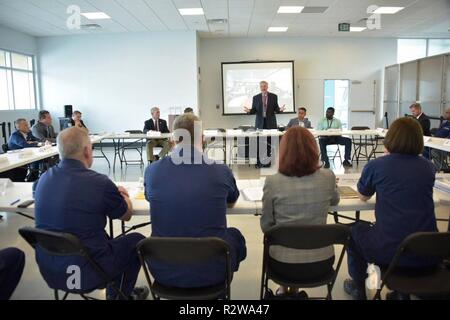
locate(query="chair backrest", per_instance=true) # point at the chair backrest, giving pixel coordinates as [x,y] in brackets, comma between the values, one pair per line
[427,244]
[360,128]
[218,129]
[134,131]
[386,119]
[300,236]
[246,128]
[32,122]
[183,250]
[3,125]
[53,243]
[9,129]
[5,147]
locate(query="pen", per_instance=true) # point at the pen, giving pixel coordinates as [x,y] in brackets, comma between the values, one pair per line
[14,202]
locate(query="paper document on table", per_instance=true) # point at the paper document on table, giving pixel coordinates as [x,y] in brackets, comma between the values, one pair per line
[443,185]
[253,194]
[347,192]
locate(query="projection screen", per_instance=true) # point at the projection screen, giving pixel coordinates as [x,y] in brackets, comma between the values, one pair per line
[240,82]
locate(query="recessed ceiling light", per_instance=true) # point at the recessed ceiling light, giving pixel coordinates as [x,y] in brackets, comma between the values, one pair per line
[191,11]
[277,29]
[96,15]
[388,10]
[357,29]
[290,9]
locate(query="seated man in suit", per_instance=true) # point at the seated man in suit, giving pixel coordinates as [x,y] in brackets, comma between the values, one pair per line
[76,121]
[439,156]
[181,208]
[22,137]
[74,199]
[300,120]
[12,262]
[416,112]
[330,122]
[43,129]
[156,124]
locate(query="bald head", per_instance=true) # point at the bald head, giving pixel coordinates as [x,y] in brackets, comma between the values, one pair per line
[74,143]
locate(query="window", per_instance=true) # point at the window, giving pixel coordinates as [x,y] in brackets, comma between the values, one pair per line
[336,96]
[17,85]
[411,49]
[438,46]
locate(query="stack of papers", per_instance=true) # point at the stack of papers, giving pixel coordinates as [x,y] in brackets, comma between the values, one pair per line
[253,194]
[443,185]
[154,134]
[347,192]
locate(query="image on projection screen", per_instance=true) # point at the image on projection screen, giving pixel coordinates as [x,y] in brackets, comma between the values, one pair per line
[241,82]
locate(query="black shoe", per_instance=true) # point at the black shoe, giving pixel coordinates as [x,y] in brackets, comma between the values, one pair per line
[326,165]
[347,164]
[395,295]
[352,290]
[140,293]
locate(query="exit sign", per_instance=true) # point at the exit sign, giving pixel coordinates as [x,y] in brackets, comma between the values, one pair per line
[344,27]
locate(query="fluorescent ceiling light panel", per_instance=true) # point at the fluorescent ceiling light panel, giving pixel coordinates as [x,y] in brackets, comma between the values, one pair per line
[191,11]
[357,29]
[388,10]
[277,29]
[96,15]
[290,9]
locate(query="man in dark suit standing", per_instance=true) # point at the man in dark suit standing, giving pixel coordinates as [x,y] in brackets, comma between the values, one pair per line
[265,106]
[416,111]
[160,125]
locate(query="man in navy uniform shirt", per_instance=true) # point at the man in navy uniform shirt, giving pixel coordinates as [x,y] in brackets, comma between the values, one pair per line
[403,183]
[189,196]
[74,199]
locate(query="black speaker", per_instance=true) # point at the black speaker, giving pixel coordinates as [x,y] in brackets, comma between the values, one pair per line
[68,110]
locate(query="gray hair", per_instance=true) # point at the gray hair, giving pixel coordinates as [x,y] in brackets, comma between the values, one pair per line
[71,142]
[187,123]
[154,109]
[18,121]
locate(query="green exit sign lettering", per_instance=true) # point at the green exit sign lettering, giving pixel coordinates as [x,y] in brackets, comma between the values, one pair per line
[344,27]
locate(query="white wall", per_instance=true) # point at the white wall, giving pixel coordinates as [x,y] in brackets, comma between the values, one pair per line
[316,59]
[19,42]
[115,79]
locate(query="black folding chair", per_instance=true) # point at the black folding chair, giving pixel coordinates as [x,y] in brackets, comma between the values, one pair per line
[429,282]
[185,252]
[305,237]
[60,244]
[368,143]
[136,145]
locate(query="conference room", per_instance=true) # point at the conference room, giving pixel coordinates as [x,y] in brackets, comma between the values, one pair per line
[266,150]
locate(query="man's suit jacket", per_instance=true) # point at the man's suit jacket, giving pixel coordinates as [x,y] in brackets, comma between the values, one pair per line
[17,141]
[44,132]
[425,124]
[272,108]
[295,122]
[149,125]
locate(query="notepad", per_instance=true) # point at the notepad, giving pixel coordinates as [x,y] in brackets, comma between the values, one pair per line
[253,194]
[443,185]
[140,195]
[347,192]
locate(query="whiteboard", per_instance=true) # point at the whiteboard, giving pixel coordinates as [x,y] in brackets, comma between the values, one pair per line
[240,82]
